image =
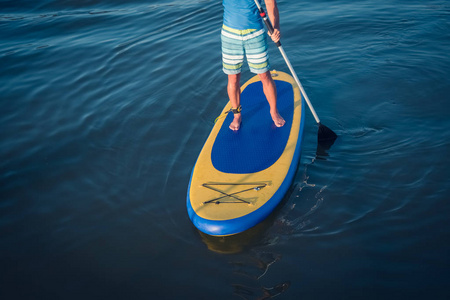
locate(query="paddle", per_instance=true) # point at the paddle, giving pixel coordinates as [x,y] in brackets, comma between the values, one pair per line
[326,136]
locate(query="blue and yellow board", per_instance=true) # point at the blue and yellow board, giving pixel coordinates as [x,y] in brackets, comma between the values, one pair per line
[241,176]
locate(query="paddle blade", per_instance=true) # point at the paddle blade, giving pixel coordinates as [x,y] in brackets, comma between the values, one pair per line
[326,136]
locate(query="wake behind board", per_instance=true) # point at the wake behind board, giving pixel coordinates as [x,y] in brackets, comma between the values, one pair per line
[241,176]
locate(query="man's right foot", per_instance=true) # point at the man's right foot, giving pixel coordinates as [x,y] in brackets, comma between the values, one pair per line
[277,119]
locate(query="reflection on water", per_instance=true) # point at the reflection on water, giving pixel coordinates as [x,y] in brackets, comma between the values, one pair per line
[249,269]
[235,243]
[251,253]
[253,268]
[259,293]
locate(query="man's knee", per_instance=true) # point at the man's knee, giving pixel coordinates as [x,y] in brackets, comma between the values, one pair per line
[233,80]
[265,76]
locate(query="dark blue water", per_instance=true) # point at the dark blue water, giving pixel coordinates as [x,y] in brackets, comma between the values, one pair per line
[105,106]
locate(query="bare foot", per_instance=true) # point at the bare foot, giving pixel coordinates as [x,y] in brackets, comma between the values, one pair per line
[236,124]
[277,119]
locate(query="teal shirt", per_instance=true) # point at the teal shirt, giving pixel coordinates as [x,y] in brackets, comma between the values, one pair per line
[241,14]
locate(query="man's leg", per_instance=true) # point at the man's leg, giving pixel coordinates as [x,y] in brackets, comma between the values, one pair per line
[233,58]
[270,91]
[234,93]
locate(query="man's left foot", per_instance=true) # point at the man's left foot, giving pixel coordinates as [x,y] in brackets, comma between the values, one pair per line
[236,124]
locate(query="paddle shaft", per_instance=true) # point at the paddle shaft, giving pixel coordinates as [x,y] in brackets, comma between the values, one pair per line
[286,59]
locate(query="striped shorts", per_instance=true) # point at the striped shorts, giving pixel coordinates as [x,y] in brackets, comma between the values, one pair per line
[252,43]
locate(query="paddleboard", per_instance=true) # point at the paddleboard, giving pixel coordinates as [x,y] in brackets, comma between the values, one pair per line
[241,176]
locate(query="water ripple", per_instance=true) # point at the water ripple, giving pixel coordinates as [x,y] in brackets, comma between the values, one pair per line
[105,108]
